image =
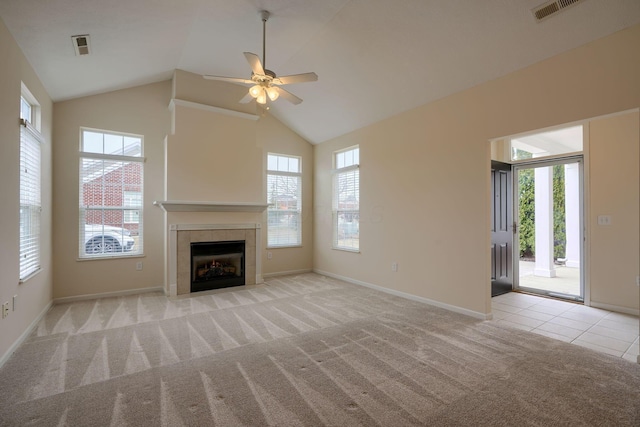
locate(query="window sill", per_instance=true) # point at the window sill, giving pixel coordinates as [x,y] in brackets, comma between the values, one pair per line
[35,273]
[355,251]
[99,258]
[284,247]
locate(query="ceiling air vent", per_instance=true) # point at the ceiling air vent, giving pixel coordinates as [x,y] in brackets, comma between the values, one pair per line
[550,8]
[81,44]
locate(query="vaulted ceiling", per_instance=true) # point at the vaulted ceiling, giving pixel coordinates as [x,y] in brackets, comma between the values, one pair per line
[374,58]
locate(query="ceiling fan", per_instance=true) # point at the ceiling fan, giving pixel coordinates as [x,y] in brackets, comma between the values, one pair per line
[265,83]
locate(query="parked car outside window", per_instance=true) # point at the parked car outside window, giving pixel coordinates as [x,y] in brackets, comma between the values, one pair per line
[106,239]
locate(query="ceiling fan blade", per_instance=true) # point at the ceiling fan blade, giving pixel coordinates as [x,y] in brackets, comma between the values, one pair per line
[288,96]
[230,79]
[246,99]
[254,63]
[296,78]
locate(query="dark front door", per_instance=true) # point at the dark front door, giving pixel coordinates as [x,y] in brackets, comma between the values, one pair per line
[501,229]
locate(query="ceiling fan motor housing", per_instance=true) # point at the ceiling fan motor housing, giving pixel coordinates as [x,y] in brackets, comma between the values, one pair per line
[266,78]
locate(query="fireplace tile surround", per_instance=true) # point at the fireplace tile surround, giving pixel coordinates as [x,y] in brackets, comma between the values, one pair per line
[182,235]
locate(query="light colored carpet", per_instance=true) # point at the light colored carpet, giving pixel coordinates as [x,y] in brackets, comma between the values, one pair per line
[302,350]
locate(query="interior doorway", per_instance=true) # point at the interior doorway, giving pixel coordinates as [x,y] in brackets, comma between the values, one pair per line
[537,210]
[548,244]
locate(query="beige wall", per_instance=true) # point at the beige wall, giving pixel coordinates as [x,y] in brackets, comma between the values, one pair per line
[194,88]
[424,177]
[35,294]
[215,156]
[614,180]
[500,150]
[141,110]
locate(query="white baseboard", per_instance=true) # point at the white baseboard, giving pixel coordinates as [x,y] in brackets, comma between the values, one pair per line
[286,273]
[24,335]
[108,295]
[616,308]
[454,308]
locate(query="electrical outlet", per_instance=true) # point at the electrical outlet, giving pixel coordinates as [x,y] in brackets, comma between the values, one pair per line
[269,255]
[394,266]
[139,265]
[5,309]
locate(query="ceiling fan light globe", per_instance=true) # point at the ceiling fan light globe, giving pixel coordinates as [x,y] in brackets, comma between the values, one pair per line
[255,91]
[273,93]
[262,98]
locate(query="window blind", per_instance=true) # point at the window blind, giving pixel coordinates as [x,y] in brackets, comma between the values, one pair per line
[30,199]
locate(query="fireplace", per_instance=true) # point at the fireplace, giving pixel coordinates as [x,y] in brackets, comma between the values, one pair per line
[216,265]
[182,236]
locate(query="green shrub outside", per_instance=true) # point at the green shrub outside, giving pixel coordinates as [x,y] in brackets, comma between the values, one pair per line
[526,189]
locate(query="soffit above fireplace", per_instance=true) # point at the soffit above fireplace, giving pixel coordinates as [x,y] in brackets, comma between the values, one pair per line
[190,206]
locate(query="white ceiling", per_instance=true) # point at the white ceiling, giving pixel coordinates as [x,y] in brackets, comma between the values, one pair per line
[374,58]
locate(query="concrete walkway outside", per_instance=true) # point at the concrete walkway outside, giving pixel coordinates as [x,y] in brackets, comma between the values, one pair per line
[567,280]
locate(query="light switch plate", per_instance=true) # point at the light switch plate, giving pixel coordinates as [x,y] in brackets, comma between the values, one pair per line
[604,219]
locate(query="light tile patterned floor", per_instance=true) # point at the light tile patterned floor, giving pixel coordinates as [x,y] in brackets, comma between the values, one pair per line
[608,332]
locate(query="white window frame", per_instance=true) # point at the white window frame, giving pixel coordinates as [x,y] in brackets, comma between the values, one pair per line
[30,186]
[346,168]
[276,213]
[105,236]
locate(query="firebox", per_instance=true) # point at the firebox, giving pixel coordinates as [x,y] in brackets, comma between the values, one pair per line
[216,265]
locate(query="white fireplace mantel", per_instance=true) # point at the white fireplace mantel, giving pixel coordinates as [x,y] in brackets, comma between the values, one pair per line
[191,206]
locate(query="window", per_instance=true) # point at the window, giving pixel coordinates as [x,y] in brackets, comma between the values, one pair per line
[111,194]
[132,198]
[26,110]
[346,200]
[284,196]
[30,189]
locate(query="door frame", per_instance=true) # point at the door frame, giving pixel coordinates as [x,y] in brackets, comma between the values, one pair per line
[544,162]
